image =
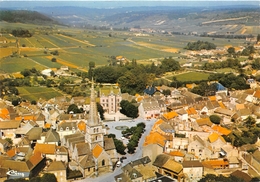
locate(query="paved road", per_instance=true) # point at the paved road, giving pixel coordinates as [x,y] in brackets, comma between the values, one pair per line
[109,177]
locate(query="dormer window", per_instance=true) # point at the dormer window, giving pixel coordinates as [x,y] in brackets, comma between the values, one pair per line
[61,129]
[67,128]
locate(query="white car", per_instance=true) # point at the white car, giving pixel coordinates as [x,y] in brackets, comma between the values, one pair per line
[118,164]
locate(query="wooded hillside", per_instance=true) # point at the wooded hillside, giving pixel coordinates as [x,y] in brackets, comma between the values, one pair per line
[24,16]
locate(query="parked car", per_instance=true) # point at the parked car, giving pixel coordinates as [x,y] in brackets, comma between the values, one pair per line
[123,158]
[118,164]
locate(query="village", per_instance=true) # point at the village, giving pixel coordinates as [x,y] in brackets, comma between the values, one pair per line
[183,131]
[183,143]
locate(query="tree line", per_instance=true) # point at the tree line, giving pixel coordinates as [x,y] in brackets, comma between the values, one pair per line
[229,63]
[132,78]
[21,33]
[199,45]
[229,81]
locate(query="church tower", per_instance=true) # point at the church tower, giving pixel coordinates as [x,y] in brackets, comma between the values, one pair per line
[94,134]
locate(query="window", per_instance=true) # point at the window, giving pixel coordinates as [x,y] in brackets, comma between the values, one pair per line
[89,169]
[103,162]
[96,137]
[94,130]
[97,130]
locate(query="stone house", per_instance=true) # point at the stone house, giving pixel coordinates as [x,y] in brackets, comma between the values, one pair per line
[177,155]
[153,145]
[138,170]
[59,169]
[193,170]
[216,142]
[255,159]
[216,164]
[48,150]
[201,148]
[8,128]
[167,166]
[149,108]
[26,168]
[4,146]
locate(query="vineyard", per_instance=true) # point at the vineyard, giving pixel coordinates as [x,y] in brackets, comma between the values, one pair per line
[76,47]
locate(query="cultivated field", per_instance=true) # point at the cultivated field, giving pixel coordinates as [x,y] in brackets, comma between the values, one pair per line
[77,47]
[34,93]
[15,64]
[191,76]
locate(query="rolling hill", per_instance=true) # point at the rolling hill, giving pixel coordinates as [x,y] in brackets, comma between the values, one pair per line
[24,16]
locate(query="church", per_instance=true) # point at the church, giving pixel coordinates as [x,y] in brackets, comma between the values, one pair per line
[90,151]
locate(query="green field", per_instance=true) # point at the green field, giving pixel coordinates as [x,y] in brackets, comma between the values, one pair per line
[15,64]
[191,76]
[46,62]
[35,93]
[225,70]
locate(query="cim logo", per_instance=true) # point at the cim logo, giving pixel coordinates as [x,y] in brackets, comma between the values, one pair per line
[15,173]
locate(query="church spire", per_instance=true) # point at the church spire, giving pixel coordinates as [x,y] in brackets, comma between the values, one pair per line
[93,112]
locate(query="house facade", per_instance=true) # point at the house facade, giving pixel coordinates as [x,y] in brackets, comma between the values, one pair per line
[110,101]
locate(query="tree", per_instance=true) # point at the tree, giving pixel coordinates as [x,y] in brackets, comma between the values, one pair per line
[15,102]
[35,179]
[231,50]
[169,64]
[111,135]
[258,38]
[199,45]
[100,111]
[106,74]
[33,102]
[215,119]
[74,108]
[53,60]
[9,140]
[91,66]
[214,178]
[142,125]
[166,92]
[55,52]
[128,109]
[26,72]
[49,177]
[120,148]
[131,147]
[249,122]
